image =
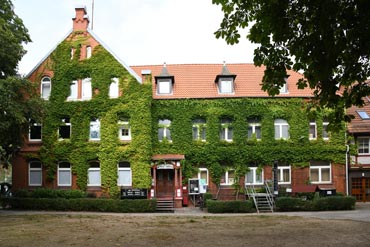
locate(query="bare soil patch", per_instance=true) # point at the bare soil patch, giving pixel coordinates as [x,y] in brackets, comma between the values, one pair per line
[156,230]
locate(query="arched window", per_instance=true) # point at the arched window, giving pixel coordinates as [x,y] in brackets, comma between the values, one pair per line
[114,88]
[124,174]
[45,87]
[35,173]
[93,174]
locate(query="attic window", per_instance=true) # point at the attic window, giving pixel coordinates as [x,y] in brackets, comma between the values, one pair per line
[226,85]
[363,115]
[164,86]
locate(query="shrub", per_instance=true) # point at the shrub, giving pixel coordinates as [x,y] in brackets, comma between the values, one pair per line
[215,206]
[207,196]
[285,204]
[82,204]
[49,193]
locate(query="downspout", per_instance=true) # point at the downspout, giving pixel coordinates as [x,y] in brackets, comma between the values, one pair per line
[347,156]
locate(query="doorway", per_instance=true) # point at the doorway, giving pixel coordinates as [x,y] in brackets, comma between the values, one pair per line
[165,183]
[361,189]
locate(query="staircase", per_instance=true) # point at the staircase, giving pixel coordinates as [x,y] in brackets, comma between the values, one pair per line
[264,202]
[165,205]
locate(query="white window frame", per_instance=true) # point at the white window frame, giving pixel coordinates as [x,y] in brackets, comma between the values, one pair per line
[320,167]
[32,170]
[91,170]
[284,88]
[114,88]
[312,136]
[227,179]
[86,89]
[366,141]
[254,124]
[281,174]
[280,124]
[32,124]
[95,124]
[226,86]
[88,51]
[165,127]
[199,127]
[325,133]
[124,124]
[118,176]
[225,123]
[45,81]
[164,87]
[200,177]
[74,90]
[254,172]
[65,124]
[64,169]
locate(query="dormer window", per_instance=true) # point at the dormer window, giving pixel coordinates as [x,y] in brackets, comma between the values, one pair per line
[284,87]
[225,81]
[164,82]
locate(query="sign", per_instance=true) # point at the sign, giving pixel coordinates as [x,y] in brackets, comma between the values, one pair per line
[134,193]
[164,166]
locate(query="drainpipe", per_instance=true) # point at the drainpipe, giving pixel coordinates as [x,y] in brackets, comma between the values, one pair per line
[347,152]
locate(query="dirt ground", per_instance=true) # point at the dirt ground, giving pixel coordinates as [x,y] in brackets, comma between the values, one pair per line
[171,230]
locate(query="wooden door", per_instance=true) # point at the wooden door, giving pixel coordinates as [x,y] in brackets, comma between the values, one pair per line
[165,183]
[361,189]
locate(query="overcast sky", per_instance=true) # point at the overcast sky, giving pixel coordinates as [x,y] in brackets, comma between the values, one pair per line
[140,32]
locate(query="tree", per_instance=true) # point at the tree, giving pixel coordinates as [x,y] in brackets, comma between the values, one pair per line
[12,36]
[326,40]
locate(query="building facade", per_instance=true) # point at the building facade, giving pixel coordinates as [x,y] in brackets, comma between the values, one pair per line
[110,127]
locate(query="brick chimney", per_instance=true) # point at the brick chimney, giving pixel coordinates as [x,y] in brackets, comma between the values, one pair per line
[81,21]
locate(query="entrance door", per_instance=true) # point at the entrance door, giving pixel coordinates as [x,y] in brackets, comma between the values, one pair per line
[361,189]
[165,183]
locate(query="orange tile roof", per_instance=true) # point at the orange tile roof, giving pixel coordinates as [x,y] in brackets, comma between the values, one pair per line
[359,125]
[198,81]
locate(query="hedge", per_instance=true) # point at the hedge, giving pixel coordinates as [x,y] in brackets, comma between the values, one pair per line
[49,193]
[81,204]
[214,206]
[285,204]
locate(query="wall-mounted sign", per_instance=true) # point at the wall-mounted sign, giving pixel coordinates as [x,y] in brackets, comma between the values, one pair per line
[134,193]
[164,166]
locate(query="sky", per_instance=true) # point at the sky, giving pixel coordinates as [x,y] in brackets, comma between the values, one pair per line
[139,32]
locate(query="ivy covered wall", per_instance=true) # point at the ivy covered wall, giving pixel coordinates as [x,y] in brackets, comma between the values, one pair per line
[242,152]
[134,104]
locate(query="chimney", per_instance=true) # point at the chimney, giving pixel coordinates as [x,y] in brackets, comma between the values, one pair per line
[81,21]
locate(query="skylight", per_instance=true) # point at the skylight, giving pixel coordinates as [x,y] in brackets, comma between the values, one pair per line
[363,114]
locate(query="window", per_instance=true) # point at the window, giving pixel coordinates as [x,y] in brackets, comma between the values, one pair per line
[312,135]
[254,128]
[284,87]
[254,176]
[93,174]
[88,51]
[74,93]
[64,131]
[203,176]
[114,88]
[164,86]
[363,145]
[95,129]
[228,178]
[34,131]
[45,87]
[124,174]
[64,174]
[164,130]
[199,129]
[86,89]
[72,53]
[281,129]
[363,114]
[320,172]
[226,132]
[124,130]
[325,133]
[284,174]
[35,173]
[226,85]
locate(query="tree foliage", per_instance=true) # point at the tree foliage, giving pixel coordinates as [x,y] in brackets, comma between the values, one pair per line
[12,36]
[327,40]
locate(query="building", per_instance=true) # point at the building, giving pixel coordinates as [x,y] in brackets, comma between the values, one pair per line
[110,127]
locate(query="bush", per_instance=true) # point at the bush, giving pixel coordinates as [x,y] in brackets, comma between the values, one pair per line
[214,206]
[207,196]
[82,204]
[285,204]
[49,193]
